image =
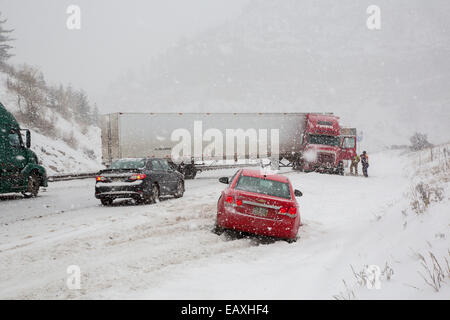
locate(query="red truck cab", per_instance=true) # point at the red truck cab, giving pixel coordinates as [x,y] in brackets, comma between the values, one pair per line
[324,148]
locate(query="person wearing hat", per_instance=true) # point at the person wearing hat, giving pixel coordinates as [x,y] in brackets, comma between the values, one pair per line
[365,163]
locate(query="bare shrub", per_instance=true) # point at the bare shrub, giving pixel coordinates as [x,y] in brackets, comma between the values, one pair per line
[436,273]
[70,139]
[347,294]
[387,272]
[422,196]
[89,153]
[360,276]
[84,129]
[363,277]
[419,141]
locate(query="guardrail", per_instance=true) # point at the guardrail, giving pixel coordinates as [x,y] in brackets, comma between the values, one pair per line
[71,176]
[225,166]
[86,175]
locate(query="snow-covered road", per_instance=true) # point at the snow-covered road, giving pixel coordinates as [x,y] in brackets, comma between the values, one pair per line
[167,250]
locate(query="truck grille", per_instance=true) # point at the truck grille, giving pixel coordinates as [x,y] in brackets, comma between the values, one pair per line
[325,158]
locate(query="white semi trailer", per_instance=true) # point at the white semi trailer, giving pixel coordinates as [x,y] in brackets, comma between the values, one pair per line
[211,136]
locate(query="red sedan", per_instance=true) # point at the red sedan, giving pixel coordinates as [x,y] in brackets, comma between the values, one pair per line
[260,204]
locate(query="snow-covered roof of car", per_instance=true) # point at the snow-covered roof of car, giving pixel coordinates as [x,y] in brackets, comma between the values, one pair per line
[265,175]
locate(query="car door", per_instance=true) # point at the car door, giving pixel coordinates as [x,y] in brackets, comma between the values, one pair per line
[159,176]
[171,176]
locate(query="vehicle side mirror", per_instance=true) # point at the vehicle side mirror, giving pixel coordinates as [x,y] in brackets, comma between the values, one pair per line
[224,180]
[28,139]
[297,193]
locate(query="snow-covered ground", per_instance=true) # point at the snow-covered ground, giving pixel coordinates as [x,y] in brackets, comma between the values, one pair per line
[59,158]
[167,250]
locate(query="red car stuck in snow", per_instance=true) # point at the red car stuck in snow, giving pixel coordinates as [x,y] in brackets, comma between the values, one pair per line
[258,203]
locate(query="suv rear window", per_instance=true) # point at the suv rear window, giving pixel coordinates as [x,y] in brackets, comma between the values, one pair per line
[264,186]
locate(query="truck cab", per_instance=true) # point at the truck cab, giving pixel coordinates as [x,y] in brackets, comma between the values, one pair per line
[19,166]
[321,144]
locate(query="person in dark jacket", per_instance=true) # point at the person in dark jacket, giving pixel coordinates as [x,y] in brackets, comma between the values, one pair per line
[365,163]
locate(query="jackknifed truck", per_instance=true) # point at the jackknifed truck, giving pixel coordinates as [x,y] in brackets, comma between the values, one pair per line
[195,141]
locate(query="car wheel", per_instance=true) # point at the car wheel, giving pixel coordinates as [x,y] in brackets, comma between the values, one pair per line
[292,240]
[155,194]
[180,190]
[106,201]
[146,198]
[218,230]
[139,200]
[32,186]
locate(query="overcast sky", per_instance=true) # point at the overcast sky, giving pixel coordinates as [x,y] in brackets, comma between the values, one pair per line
[115,35]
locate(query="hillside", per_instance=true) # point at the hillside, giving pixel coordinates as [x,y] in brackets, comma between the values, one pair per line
[310,56]
[62,143]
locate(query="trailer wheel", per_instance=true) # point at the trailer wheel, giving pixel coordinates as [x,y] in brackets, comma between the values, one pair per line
[190,172]
[32,186]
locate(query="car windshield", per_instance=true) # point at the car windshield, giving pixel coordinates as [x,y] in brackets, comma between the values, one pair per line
[128,164]
[264,186]
[323,139]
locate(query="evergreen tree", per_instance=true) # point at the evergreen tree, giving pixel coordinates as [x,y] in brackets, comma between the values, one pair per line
[4,47]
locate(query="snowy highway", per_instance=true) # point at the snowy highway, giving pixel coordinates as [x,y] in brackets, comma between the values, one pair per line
[167,250]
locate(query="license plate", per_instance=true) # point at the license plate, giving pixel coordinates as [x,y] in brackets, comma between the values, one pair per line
[260,211]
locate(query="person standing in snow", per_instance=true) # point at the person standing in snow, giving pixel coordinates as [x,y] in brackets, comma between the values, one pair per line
[354,164]
[365,163]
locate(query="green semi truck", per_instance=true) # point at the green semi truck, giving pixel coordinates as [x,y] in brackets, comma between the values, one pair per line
[19,166]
